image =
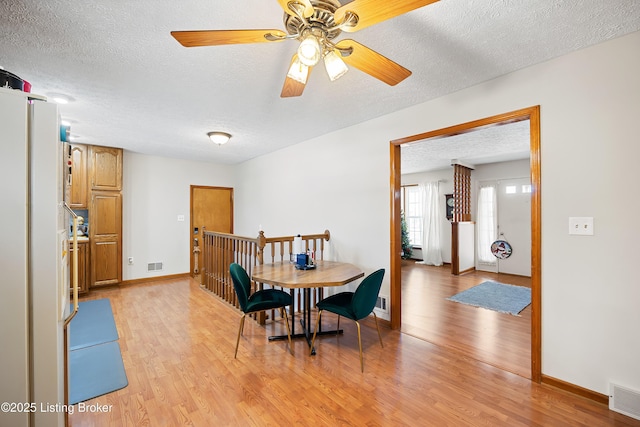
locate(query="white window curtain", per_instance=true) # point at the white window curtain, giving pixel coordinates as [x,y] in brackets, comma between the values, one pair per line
[431,216]
[487,223]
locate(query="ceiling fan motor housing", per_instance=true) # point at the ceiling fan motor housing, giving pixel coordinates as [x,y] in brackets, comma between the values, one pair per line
[321,20]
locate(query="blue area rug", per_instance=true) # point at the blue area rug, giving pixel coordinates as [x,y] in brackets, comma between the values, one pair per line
[94,371]
[94,324]
[496,296]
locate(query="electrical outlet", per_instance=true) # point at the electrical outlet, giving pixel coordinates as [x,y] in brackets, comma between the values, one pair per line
[130,260]
[581,226]
[181,218]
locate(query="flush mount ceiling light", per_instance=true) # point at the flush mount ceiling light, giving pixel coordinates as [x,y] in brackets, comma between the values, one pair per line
[315,24]
[219,137]
[59,98]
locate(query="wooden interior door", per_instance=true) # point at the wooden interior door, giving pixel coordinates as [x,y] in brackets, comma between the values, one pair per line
[212,209]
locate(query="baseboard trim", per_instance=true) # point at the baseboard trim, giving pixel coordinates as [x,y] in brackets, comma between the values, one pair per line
[468,270]
[575,389]
[370,321]
[154,279]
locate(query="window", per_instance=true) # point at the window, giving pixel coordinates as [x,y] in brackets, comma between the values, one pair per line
[411,201]
[486,223]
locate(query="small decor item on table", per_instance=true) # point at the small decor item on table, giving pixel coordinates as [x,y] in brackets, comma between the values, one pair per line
[304,262]
[296,248]
[301,259]
[501,249]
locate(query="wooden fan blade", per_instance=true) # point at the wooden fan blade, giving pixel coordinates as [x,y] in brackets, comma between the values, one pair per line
[373,63]
[373,11]
[222,37]
[308,8]
[293,87]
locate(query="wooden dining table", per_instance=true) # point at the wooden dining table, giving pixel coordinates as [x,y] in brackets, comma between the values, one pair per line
[285,274]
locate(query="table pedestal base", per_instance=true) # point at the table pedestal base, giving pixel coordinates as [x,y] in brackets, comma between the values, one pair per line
[306,336]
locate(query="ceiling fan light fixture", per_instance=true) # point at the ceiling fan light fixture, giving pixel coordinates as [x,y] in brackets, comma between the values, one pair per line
[334,65]
[219,138]
[309,50]
[59,98]
[298,71]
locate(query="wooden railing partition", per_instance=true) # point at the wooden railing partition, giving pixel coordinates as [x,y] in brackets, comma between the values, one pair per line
[219,251]
[281,248]
[461,193]
[222,249]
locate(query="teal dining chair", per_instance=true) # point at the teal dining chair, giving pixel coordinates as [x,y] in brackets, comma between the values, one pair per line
[266,299]
[354,305]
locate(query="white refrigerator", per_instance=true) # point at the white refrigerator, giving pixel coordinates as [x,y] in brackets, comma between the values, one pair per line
[34,263]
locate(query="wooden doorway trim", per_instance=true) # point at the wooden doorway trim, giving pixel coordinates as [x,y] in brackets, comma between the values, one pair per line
[533,115]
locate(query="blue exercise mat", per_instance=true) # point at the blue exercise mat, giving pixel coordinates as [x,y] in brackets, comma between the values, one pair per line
[94,371]
[94,324]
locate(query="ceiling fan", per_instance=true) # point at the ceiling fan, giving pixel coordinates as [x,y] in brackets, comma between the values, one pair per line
[315,23]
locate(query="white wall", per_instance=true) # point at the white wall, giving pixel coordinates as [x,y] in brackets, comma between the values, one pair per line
[332,182]
[589,109]
[155,191]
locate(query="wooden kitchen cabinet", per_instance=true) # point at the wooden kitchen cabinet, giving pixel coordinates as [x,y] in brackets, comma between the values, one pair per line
[83,266]
[105,234]
[105,168]
[79,178]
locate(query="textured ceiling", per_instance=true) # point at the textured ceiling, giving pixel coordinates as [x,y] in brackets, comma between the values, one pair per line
[135,87]
[491,144]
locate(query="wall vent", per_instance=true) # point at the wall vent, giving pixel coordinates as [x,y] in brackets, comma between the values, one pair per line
[154,266]
[624,400]
[381,304]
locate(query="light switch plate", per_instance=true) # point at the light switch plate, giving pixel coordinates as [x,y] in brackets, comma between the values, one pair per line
[581,226]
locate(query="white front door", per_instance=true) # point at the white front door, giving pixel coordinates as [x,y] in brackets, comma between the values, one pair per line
[514,224]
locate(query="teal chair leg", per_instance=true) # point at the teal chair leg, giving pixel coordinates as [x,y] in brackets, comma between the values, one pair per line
[239,333]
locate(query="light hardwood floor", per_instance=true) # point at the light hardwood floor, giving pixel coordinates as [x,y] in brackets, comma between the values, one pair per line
[501,340]
[178,341]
